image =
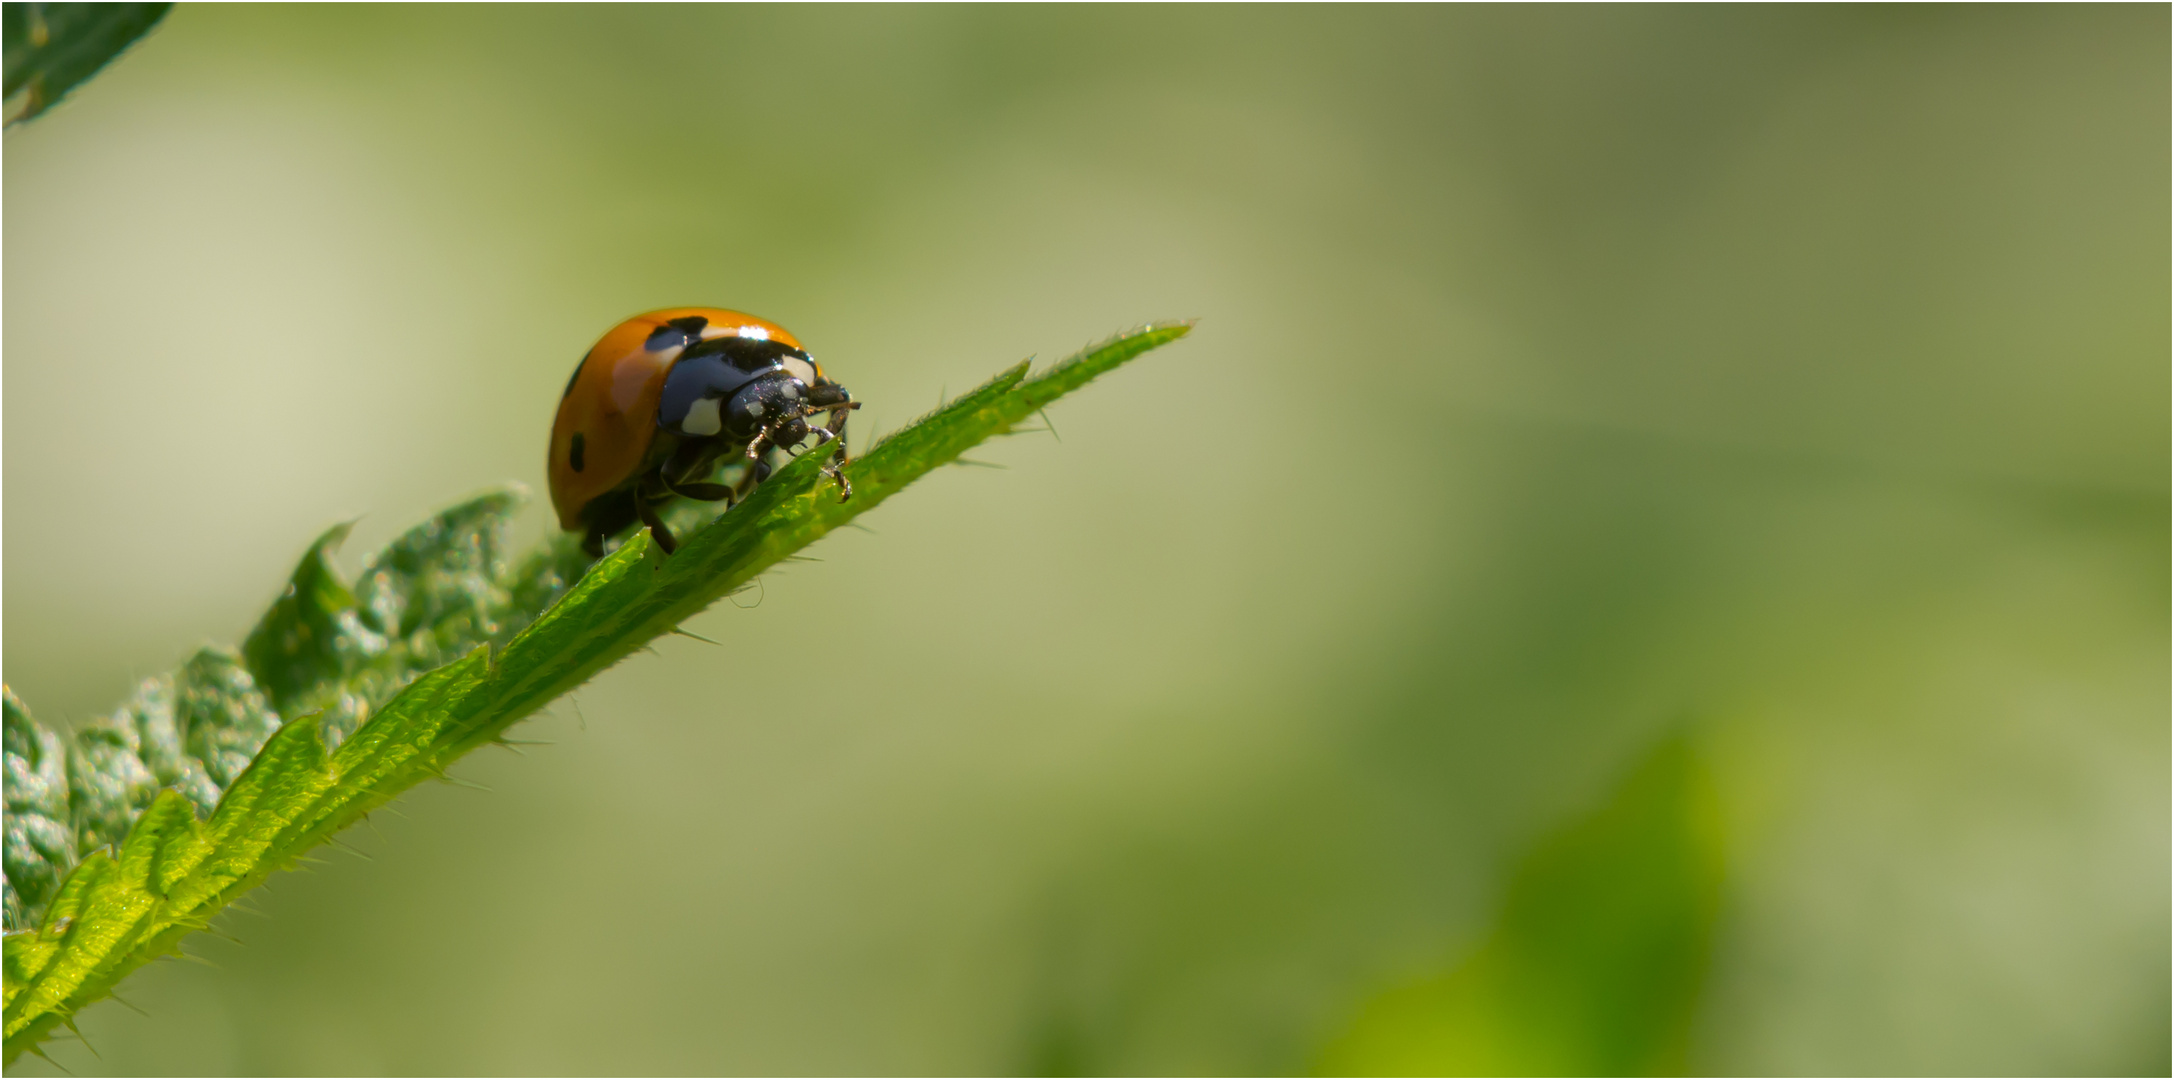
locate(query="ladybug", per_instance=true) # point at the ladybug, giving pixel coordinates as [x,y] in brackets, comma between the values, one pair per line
[663,398]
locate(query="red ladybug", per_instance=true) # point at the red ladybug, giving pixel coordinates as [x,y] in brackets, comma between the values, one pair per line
[663,398]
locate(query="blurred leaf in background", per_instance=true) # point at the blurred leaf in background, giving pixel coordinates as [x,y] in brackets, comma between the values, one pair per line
[1595,963]
[52,47]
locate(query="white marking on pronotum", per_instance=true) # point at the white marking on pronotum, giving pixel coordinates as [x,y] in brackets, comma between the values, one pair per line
[801,369]
[702,418]
[753,408]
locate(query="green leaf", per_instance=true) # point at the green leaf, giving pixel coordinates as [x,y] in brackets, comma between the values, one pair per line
[1595,964]
[51,48]
[383,684]
[40,842]
[311,636]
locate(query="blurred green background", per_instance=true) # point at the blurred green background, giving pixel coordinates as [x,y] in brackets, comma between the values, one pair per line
[1771,399]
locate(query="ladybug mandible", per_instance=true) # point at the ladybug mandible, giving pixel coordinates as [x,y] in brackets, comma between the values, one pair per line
[663,398]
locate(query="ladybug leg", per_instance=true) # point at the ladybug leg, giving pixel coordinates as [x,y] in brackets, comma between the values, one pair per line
[836,471]
[703,492]
[692,459]
[837,460]
[755,473]
[839,413]
[658,531]
[836,434]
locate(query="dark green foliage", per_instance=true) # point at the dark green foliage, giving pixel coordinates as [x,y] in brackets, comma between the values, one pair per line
[436,592]
[199,788]
[311,634]
[40,845]
[53,47]
[220,715]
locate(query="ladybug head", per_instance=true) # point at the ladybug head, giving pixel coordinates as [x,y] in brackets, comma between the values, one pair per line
[776,402]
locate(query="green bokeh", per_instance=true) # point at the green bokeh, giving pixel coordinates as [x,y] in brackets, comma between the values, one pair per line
[1563,374]
[1598,957]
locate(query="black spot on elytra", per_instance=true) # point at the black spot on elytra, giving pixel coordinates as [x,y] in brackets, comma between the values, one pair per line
[574,454]
[676,333]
